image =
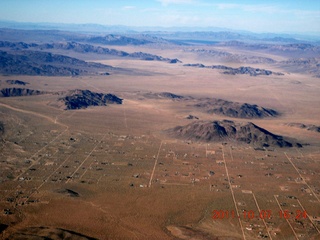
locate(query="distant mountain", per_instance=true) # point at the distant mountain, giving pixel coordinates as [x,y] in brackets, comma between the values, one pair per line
[217,33]
[117,40]
[47,64]
[84,48]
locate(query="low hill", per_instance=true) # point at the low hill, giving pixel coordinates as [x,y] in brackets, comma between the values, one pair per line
[217,131]
[17,82]
[164,95]
[236,109]
[78,99]
[309,127]
[18,92]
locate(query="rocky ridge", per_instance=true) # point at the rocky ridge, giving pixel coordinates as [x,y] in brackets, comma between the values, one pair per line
[240,70]
[47,64]
[84,48]
[217,131]
[18,92]
[236,109]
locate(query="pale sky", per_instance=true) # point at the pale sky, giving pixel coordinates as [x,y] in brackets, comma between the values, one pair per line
[253,15]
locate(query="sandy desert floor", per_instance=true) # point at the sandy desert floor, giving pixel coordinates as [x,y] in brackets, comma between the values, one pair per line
[112,173]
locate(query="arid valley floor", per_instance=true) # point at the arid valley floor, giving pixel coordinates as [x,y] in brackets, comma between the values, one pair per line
[125,171]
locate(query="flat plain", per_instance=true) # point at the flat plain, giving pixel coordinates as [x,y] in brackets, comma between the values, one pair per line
[112,172]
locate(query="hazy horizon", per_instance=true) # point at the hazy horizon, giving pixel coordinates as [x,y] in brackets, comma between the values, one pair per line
[255,16]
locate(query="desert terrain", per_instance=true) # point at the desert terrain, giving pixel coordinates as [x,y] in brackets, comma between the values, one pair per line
[139,137]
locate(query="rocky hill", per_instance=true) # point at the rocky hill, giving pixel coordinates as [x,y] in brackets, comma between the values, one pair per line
[18,92]
[233,71]
[46,64]
[163,95]
[309,127]
[78,99]
[217,131]
[236,109]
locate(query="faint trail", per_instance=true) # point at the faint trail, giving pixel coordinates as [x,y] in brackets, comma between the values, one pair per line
[299,152]
[295,234]
[125,117]
[46,180]
[264,222]
[232,193]
[90,85]
[304,181]
[36,162]
[155,164]
[86,160]
[308,216]
[33,113]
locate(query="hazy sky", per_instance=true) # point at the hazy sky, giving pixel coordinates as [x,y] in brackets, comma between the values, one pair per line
[252,15]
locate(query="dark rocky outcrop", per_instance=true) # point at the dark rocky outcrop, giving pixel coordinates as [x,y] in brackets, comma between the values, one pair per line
[240,70]
[17,82]
[191,117]
[236,110]
[78,99]
[18,92]
[164,95]
[217,131]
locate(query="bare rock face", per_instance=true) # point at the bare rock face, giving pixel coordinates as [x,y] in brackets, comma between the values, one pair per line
[236,110]
[78,99]
[18,92]
[216,131]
